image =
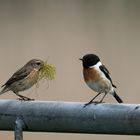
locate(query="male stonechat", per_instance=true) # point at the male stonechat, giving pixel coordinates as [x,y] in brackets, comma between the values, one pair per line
[97,77]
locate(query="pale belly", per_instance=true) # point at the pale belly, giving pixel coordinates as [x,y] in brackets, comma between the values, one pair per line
[24,84]
[102,87]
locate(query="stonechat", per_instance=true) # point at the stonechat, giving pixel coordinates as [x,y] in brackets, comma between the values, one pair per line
[24,78]
[97,77]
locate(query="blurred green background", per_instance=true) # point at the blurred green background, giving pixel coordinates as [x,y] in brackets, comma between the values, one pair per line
[63,31]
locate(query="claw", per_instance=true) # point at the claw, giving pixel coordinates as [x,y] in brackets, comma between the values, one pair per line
[25,99]
[95,103]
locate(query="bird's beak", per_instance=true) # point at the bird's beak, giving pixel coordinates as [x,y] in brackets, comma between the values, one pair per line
[81,59]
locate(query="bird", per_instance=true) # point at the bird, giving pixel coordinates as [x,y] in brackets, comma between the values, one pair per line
[24,78]
[98,78]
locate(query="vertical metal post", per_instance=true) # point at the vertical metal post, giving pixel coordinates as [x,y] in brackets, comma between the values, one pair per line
[19,126]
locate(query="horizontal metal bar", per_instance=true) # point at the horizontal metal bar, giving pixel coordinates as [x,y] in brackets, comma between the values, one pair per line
[71,117]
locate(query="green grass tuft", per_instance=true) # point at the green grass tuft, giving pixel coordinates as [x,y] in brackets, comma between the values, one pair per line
[47,71]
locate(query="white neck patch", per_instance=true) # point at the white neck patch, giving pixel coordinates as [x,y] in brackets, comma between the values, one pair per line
[97,65]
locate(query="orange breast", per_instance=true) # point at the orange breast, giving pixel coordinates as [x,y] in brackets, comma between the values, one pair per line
[95,81]
[91,75]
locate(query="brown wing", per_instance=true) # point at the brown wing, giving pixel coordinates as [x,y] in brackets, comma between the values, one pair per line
[20,74]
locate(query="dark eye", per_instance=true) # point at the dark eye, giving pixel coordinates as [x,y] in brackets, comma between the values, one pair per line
[38,63]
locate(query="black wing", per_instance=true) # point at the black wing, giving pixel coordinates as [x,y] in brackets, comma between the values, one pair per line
[106,72]
[20,74]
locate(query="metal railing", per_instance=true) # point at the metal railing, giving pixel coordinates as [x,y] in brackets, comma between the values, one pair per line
[69,117]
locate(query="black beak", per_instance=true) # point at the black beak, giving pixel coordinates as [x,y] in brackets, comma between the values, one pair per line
[81,59]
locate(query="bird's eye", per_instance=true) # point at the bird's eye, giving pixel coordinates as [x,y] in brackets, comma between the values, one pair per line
[38,63]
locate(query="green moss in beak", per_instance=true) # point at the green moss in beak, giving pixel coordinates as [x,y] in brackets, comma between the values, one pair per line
[47,71]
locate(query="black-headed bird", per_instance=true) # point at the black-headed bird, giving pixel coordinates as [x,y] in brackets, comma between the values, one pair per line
[97,77]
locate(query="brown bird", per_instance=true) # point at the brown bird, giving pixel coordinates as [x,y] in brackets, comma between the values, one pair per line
[24,78]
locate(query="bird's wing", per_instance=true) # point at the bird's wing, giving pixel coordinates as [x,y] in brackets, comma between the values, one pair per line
[18,75]
[106,72]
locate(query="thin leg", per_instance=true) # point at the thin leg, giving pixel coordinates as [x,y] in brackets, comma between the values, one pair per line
[103,98]
[23,97]
[92,100]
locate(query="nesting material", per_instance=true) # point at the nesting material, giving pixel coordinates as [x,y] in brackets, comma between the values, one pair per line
[47,71]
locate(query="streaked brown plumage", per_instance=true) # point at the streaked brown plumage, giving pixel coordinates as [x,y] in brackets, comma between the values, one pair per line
[24,78]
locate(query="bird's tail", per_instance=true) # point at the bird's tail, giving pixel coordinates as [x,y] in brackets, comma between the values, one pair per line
[117,97]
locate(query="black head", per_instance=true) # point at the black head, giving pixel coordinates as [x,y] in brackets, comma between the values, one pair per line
[89,60]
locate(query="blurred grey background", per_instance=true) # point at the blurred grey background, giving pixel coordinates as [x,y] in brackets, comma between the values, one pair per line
[63,31]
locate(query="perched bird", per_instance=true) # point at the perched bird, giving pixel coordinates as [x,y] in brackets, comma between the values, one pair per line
[24,78]
[97,77]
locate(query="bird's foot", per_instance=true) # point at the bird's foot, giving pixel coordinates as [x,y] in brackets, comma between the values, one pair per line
[94,102]
[25,99]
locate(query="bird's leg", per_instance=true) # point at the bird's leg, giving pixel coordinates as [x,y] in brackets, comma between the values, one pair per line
[91,101]
[23,97]
[103,98]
